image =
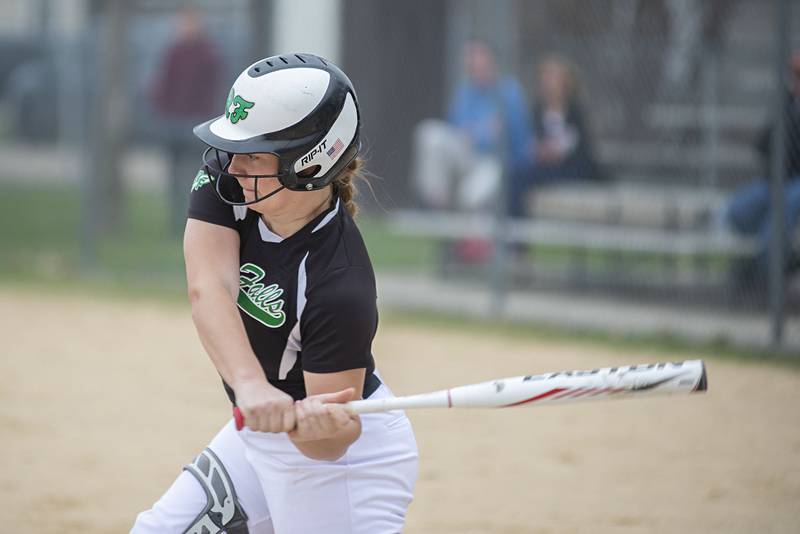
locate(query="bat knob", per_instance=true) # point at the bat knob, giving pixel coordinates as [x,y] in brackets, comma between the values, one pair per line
[238,418]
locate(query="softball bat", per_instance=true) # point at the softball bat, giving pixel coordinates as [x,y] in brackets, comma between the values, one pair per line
[549,388]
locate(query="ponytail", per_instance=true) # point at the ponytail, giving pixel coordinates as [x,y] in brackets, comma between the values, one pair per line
[345,184]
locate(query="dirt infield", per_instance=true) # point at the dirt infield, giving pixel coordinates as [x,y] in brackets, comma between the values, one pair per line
[102,402]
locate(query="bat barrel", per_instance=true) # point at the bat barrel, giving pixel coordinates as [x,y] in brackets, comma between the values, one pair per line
[595,384]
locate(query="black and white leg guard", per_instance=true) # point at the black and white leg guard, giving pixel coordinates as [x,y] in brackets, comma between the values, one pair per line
[223,513]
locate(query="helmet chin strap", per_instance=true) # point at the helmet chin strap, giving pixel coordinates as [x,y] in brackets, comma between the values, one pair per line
[274,192]
[255,190]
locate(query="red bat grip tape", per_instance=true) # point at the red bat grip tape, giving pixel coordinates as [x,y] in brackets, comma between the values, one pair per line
[238,418]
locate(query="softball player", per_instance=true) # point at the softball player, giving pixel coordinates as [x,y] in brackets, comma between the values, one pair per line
[283,298]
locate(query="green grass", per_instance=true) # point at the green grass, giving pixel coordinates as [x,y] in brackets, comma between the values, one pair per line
[38,227]
[390,251]
[40,240]
[40,234]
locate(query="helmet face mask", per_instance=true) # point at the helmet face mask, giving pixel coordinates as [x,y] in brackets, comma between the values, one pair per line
[226,184]
[300,108]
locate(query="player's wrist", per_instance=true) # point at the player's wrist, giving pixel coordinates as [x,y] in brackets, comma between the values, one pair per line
[340,434]
[250,380]
[328,448]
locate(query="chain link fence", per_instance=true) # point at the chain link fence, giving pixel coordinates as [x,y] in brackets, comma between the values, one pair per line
[599,164]
[640,181]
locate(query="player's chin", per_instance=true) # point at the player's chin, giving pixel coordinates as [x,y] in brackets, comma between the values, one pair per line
[249,194]
[264,206]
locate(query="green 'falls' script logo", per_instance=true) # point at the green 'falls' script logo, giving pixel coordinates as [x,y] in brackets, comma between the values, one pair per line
[258,300]
[236,107]
[200,180]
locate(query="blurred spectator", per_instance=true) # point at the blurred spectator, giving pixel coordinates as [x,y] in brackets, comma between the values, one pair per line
[563,149]
[185,92]
[696,29]
[26,70]
[459,163]
[749,212]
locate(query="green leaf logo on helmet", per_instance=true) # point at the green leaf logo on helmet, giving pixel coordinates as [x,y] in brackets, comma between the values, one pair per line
[236,107]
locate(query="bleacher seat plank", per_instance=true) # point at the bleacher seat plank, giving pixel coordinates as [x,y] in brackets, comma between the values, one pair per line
[571,234]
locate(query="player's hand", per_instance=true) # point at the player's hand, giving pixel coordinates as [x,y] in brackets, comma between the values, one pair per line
[322,416]
[264,407]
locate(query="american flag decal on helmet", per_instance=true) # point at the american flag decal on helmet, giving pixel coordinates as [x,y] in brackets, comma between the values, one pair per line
[336,148]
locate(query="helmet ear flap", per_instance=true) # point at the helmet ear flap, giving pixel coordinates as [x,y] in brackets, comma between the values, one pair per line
[305,180]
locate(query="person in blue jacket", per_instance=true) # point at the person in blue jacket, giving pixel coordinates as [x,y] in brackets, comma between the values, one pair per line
[459,162]
[749,211]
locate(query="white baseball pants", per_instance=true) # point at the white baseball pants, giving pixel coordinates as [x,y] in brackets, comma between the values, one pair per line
[366,491]
[448,172]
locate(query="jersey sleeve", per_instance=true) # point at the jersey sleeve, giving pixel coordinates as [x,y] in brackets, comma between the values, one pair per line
[205,205]
[339,322]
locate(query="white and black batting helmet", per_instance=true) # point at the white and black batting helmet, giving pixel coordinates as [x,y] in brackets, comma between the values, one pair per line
[301,108]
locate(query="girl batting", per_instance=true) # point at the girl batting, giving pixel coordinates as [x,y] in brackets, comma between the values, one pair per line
[283,297]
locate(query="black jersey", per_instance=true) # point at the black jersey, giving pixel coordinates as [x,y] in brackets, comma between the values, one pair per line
[308,301]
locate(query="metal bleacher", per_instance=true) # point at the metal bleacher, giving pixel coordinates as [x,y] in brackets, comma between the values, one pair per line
[672,174]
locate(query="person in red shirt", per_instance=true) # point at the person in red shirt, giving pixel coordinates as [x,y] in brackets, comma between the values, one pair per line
[184,92]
